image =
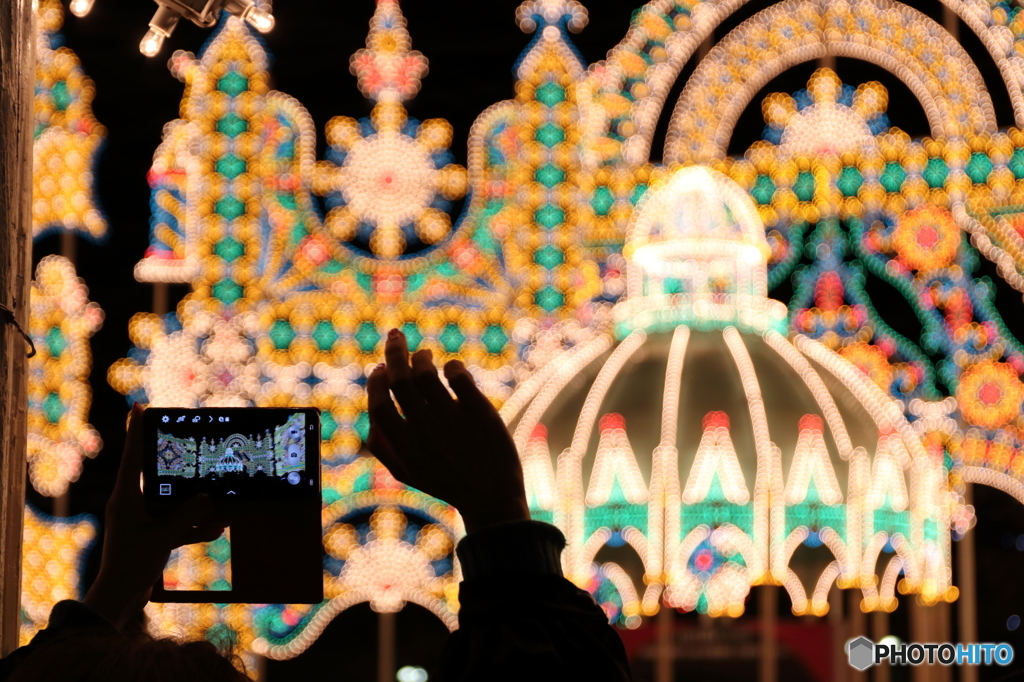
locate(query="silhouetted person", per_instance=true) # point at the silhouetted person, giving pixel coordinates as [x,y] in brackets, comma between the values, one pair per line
[519,619]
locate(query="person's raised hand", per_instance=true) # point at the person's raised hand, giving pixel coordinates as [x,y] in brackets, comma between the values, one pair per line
[456,449]
[136,546]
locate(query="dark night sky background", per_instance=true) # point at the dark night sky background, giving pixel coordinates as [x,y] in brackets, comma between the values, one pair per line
[472,47]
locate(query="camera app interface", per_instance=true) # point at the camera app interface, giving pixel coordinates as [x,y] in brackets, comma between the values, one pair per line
[243,453]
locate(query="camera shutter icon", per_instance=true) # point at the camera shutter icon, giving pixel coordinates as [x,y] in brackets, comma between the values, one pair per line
[861,652]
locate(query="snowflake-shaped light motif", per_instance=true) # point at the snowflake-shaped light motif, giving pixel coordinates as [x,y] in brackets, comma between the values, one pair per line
[387,557]
[826,118]
[390,564]
[61,322]
[210,362]
[67,135]
[389,179]
[52,553]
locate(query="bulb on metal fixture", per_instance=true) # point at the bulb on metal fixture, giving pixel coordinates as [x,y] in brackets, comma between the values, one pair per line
[261,20]
[151,43]
[81,7]
[161,26]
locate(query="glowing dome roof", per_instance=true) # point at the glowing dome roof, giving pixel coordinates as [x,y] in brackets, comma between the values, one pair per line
[715,447]
[698,212]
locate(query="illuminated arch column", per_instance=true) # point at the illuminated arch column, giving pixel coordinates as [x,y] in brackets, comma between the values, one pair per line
[999,41]
[954,106]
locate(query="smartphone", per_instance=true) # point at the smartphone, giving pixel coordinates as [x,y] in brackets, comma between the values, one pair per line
[261,468]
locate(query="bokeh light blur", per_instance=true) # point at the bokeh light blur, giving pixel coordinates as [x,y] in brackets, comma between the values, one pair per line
[590,289]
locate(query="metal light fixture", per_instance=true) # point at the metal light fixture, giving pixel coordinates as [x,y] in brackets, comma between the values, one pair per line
[201,13]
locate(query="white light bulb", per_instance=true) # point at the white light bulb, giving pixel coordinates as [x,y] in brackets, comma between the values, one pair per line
[261,20]
[151,43]
[81,7]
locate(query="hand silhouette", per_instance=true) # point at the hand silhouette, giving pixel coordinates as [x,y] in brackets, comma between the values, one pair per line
[457,450]
[136,546]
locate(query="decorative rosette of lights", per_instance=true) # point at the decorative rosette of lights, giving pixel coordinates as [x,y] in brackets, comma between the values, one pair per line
[61,321]
[626,92]
[52,557]
[828,118]
[67,135]
[923,254]
[830,305]
[388,180]
[989,395]
[209,361]
[386,545]
[948,84]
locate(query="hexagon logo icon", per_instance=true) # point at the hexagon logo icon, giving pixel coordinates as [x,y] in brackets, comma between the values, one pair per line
[861,653]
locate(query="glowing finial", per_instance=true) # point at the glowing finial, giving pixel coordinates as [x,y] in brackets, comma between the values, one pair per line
[697,255]
[551,13]
[387,70]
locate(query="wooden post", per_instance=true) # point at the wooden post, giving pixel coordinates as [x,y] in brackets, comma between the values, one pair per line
[967,604]
[160,298]
[951,22]
[385,647]
[17,83]
[835,622]
[856,624]
[769,606]
[665,666]
[705,46]
[879,629]
[942,632]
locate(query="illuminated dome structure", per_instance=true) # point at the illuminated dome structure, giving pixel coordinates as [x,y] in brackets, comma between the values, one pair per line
[715,447]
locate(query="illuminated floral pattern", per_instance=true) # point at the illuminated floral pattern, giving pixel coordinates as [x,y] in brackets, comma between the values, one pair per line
[926,238]
[388,180]
[871,360]
[990,394]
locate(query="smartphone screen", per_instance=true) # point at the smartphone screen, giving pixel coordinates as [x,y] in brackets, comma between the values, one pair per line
[232,453]
[261,467]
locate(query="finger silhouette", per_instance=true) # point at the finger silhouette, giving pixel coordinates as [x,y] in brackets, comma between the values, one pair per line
[475,403]
[127,489]
[428,383]
[396,358]
[381,449]
[390,439]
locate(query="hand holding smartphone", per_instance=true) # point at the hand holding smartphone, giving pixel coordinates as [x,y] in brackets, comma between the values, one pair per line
[261,468]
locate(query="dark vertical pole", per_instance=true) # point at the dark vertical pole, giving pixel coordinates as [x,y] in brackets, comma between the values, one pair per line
[966,579]
[769,658]
[838,625]
[385,647]
[665,667]
[879,629]
[17,76]
[160,298]
[856,626]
